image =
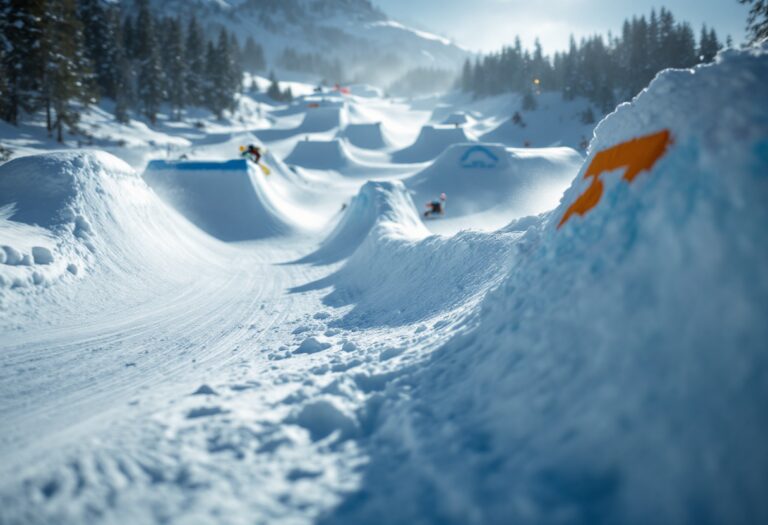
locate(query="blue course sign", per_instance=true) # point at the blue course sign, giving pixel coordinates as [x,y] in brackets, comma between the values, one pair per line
[478,157]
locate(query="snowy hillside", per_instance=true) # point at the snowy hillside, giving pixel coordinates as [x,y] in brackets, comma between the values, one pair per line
[567,335]
[369,44]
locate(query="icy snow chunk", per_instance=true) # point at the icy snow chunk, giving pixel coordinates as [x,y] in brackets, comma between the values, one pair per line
[390,353]
[11,256]
[312,345]
[348,346]
[205,390]
[82,227]
[323,417]
[42,255]
[205,412]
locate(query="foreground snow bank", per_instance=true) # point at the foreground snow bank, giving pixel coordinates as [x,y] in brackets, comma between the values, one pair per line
[619,375]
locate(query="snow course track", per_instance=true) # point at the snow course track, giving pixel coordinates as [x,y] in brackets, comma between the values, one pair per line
[341,364]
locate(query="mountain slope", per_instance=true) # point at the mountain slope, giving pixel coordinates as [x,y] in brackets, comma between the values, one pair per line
[368,43]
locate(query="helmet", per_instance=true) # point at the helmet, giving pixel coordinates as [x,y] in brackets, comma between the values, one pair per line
[443,197]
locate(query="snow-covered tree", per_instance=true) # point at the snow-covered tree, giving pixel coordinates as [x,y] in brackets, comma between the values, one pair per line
[757,23]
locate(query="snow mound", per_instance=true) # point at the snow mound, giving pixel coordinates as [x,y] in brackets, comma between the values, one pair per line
[319,117]
[320,155]
[322,119]
[67,212]
[619,373]
[231,200]
[376,204]
[366,136]
[478,177]
[458,119]
[430,143]
[396,273]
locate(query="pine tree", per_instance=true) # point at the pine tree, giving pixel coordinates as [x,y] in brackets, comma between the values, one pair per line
[757,22]
[65,64]
[174,66]
[22,67]
[99,40]
[150,71]
[253,56]
[195,59]
[274,91]
[466,77]
[708,45]
[124,77]
[221,76]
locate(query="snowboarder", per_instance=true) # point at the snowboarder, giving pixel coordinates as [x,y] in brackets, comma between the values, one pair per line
[251,152]
[254,154]
[436,207]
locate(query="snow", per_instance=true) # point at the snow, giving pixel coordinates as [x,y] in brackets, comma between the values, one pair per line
[231,200]
[430,143]
[478,178]
[194,341]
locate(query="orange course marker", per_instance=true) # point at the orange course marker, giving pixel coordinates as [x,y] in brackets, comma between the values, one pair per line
[636,155]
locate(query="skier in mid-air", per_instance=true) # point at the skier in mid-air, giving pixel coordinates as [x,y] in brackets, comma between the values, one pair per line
[436,207]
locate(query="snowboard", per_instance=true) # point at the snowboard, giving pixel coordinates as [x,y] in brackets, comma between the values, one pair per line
[264,169]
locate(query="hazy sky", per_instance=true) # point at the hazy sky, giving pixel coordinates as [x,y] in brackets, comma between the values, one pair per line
[488,24]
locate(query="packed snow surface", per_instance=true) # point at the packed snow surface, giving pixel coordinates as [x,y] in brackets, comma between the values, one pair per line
[211,341]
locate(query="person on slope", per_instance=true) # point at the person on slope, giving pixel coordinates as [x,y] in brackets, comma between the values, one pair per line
[436,207]
[251,152]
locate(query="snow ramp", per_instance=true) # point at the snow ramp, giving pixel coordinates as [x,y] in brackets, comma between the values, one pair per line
[618,374]
[230,200]
[395,272]
[376,204]
[321,119]
[366,136]
[478,177]
[318,119]
[65,214]
[320,155]
[430,143]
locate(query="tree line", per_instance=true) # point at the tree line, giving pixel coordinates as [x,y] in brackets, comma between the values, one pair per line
[605,70]
[58,56]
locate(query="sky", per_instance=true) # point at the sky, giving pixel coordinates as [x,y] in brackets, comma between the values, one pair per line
[487,25]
